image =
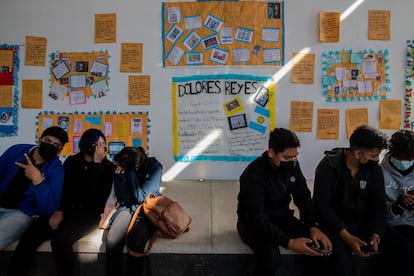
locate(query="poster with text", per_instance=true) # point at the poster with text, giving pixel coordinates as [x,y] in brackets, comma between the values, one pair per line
[222,117]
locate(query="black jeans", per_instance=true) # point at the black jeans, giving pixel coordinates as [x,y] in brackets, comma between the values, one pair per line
[267,254]
[115,242]
[396,253]
[73,227]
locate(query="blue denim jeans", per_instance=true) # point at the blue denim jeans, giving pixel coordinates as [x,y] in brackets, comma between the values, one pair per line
[13,223]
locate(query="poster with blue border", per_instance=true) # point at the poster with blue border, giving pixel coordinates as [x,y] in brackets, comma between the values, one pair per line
[224,117]
[9,90]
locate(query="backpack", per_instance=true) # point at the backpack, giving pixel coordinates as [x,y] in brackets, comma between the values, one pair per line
[166,215]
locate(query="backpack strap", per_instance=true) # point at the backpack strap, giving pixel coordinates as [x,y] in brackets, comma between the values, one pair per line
[151,241]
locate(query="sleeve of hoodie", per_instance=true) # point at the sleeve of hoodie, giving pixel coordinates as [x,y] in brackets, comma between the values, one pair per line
[150,181]
[376,206]
[47,194]
[325,180]
[302,199]
[253,195]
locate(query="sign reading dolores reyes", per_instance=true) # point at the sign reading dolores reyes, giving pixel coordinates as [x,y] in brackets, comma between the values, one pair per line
[222,117]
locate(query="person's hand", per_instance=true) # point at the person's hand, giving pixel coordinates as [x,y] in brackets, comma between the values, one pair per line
[56,219]
[119,170]
[404,203]
[374,241]
[30,171]
[353,242]
[100,152]
[299,245]
[320,239]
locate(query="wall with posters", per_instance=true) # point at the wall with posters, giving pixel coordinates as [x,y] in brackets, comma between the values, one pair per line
[68,27]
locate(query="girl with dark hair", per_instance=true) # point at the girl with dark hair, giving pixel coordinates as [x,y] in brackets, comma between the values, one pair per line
[136,176]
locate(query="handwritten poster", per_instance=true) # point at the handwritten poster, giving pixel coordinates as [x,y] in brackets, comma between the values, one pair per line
[349,76]
[6,96]
[354,118]
[390,114]
[221,117]
[35,51]
[131,57]
[139,90]
[105,28]
[130,128]
[303,68]
[301,116]
[379,25]
[32,93]
[329,26]
[9,69]
[327,124]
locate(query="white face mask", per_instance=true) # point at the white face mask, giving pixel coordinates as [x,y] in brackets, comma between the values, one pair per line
[402,165]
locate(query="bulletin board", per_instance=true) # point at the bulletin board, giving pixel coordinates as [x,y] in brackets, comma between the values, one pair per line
[130,128]
[9,68]
[355,75]
[223,33]
[222,117]
[78,76]
[409,71]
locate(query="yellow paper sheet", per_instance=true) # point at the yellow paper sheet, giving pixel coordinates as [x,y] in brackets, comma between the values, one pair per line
[35,54]
[303,68]
[131,57]
[390,114]
[301,116]
[329,26]
[32,93]
[105,28]
[328,124]
[355,118]
[139,90]
[379,25]
[6,59]
[6,96]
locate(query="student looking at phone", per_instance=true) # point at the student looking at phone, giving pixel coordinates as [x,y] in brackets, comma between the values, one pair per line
[265,219]
[88,177]
[350,198]
[397,167]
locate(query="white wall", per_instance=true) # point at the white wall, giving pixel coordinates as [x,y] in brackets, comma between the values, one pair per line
[69,26]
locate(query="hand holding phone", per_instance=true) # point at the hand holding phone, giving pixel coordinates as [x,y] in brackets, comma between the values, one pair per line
[369,250]
[324,252]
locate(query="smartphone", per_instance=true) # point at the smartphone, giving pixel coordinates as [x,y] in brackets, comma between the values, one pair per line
[324,252]
[369,250]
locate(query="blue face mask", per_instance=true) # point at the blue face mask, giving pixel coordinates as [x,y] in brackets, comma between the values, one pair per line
[402,165]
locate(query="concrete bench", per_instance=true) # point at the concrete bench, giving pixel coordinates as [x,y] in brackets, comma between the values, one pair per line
[212,207]
[211,247]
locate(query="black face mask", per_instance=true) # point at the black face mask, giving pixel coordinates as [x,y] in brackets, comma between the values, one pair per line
[370,164]
[287,165]
[47,151]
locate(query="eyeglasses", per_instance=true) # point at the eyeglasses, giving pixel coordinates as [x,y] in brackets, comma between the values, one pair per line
[47,140]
